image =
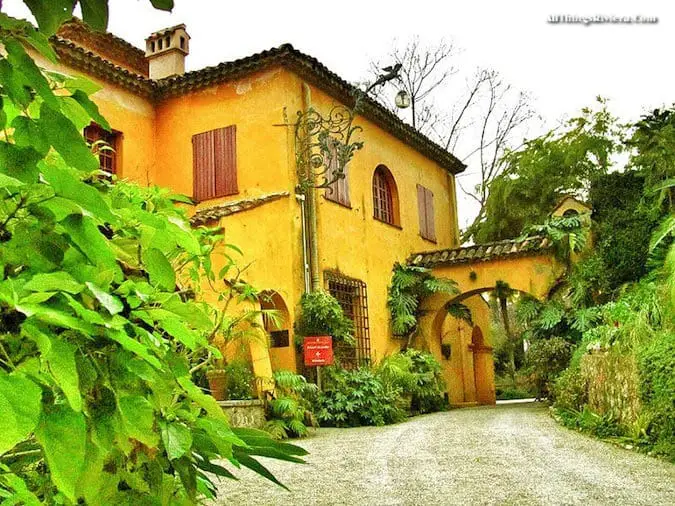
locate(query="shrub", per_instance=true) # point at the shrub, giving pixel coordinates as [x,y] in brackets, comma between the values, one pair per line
[657,372]
[352,398]
[239,380]
[320,315]
[290,413]
[570,389]
[546,359]
[510,393]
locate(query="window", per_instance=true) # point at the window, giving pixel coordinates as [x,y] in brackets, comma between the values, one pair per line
[338,191]
[385,196]
[425,206]
[215,163]
[105,145]
[277,328]
[353,298]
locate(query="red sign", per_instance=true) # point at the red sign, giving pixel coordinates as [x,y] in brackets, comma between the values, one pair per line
[318,350]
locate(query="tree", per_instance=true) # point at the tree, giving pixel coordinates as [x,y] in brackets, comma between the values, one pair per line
[536,176]
[98,322]
[480,124]
[503,293]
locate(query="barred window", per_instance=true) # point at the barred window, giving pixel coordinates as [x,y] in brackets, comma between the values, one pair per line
[353,298]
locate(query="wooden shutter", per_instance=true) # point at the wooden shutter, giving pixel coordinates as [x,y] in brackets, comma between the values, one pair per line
[214,163]
[339,190]
[425,209]
[421,209]
[429,211]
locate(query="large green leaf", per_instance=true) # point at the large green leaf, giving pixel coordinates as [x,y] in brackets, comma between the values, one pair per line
[112,304]
[20,408]
[67,140]
[86,196]
[61,360]
[63,434]
[86,236]
[16,55]
[139,419]
[177,439]
[92,109]
[52,282]
[50,14]
[165,5]
[160,269]
[95,13]
[134,346]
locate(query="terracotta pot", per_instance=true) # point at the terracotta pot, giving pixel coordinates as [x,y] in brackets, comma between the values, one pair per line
[217,383]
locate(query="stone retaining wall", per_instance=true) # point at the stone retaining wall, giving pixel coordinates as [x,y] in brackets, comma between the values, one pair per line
[245,413]
[613,384]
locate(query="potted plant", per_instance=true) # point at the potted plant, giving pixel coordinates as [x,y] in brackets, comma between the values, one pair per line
[217,378]
[238,323]
[322,315]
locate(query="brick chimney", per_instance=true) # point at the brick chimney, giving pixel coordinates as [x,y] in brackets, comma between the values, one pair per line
[166,50]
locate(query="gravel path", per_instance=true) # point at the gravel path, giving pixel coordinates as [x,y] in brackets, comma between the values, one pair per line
[509,454]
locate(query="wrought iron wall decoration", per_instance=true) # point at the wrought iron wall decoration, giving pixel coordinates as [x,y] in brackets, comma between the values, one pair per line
[324,146]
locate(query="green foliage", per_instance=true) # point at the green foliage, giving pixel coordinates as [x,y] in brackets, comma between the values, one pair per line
[546,359]
[509,393]
[569,234]
[416,374]
[546,169]
[51,14]
[409,287]
[291,411]
[585,420]
[239,380]
[321,315]
[657,372]
[352,398]
[570,389]
[623,227]
[403,383]
[97,333]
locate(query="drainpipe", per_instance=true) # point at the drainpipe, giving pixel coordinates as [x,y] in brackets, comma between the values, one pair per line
[305,261]
[310,203]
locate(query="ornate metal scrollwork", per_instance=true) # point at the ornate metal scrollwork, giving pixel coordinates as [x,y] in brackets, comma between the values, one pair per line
[324,146]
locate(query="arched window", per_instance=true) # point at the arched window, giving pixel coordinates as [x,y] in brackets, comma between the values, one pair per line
[385,196]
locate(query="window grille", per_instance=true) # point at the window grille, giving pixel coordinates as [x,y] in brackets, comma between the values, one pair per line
[353,298]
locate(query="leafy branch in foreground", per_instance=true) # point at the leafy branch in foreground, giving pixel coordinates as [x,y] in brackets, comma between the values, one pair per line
[97,324]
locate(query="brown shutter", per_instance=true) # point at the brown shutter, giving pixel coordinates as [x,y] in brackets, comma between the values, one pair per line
[225,149]
[429,211]
[215,163]
[421,209]
[203,165]
[340,188]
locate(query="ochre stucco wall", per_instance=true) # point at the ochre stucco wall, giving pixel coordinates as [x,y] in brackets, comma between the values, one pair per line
[468,381]
[359,246]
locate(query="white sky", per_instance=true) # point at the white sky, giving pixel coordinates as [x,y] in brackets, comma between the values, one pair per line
[563,66]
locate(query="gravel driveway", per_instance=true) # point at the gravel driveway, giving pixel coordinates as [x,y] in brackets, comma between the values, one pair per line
[509,454]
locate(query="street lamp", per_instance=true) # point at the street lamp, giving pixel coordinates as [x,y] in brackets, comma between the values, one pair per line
[402,99]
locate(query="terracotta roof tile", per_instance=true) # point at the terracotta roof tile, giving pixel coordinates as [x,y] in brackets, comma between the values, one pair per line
[482,252]
[305,66]
[213,213]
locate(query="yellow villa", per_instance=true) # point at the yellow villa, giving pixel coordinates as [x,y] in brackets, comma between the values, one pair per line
[225,136]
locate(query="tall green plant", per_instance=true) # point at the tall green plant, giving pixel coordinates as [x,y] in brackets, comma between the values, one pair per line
[97,321]
[410,285]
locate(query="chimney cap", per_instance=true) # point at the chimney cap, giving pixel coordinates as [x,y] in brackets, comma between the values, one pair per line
[166,31]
